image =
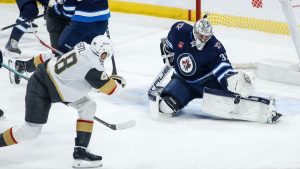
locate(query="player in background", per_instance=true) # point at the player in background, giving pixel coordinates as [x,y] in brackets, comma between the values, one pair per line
[68,80]
[68,23]
[55,26]
[199,61]
[28,10]
[88,20]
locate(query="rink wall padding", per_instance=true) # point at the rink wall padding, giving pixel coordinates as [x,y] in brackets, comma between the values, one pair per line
[7,1]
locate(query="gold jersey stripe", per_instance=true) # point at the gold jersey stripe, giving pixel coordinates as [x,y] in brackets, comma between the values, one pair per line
[84,126]
[38,60]
[108,87]
[9,138]
[56,86]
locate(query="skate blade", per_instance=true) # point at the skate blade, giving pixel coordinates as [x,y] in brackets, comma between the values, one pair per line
[87,164]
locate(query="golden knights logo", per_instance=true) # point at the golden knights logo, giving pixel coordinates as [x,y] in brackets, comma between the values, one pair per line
[187,65]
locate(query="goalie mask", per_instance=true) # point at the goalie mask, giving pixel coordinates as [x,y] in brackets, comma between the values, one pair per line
[202,32]
[102,47]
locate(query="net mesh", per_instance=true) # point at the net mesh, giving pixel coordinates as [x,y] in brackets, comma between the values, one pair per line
[256,32]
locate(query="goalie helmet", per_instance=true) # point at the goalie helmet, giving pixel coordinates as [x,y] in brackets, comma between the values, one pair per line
[202,32]
[100,45]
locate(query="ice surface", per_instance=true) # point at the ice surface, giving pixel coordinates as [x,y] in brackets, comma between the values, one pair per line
[189,141]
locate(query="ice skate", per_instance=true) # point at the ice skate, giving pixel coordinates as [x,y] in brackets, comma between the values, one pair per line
[84,159]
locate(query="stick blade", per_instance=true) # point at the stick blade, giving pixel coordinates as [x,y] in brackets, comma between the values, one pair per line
[125,125]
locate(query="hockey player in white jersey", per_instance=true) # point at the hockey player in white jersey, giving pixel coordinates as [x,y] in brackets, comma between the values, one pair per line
[68,80]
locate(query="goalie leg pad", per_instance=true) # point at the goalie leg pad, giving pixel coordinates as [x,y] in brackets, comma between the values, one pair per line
[226,105]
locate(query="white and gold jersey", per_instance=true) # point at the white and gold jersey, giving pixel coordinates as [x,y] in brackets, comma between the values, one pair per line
[76,72]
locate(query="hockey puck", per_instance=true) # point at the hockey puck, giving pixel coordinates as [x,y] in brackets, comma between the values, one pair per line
[1,113]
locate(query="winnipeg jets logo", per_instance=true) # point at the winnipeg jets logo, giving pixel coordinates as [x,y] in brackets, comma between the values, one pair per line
[187,64]
[218,45]
[179,25]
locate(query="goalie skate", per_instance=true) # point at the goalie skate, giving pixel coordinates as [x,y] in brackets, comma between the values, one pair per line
[84,159]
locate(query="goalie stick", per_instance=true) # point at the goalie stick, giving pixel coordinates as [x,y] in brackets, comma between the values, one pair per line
[157,81]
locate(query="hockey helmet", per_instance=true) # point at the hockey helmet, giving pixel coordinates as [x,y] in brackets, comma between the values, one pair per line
[202,32]
[102,47]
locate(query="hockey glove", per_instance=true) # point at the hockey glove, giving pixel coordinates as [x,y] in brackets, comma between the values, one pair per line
[119,79]
[1,59]
[55,10]
[166,53]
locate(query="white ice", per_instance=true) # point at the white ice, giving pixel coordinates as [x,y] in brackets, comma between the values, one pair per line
[188,141]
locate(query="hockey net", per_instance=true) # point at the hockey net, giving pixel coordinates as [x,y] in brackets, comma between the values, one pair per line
[254,31]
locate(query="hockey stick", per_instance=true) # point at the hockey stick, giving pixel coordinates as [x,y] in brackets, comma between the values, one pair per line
[117,126]
[114,68]
[45,44]
[27,20]
[14,71]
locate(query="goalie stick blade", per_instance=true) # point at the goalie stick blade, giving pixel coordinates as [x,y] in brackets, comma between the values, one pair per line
[125,125]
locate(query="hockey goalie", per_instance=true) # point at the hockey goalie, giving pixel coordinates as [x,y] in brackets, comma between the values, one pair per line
[202,70]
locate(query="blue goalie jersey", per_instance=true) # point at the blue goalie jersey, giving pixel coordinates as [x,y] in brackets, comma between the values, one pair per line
[197,66]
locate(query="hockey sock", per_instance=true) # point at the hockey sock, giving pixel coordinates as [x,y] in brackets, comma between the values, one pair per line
[19,30]
[84,130]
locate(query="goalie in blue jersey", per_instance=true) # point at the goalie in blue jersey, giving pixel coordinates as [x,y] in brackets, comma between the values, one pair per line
[202,70]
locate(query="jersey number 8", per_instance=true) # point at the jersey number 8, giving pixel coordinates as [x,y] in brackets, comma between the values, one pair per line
[65,63]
